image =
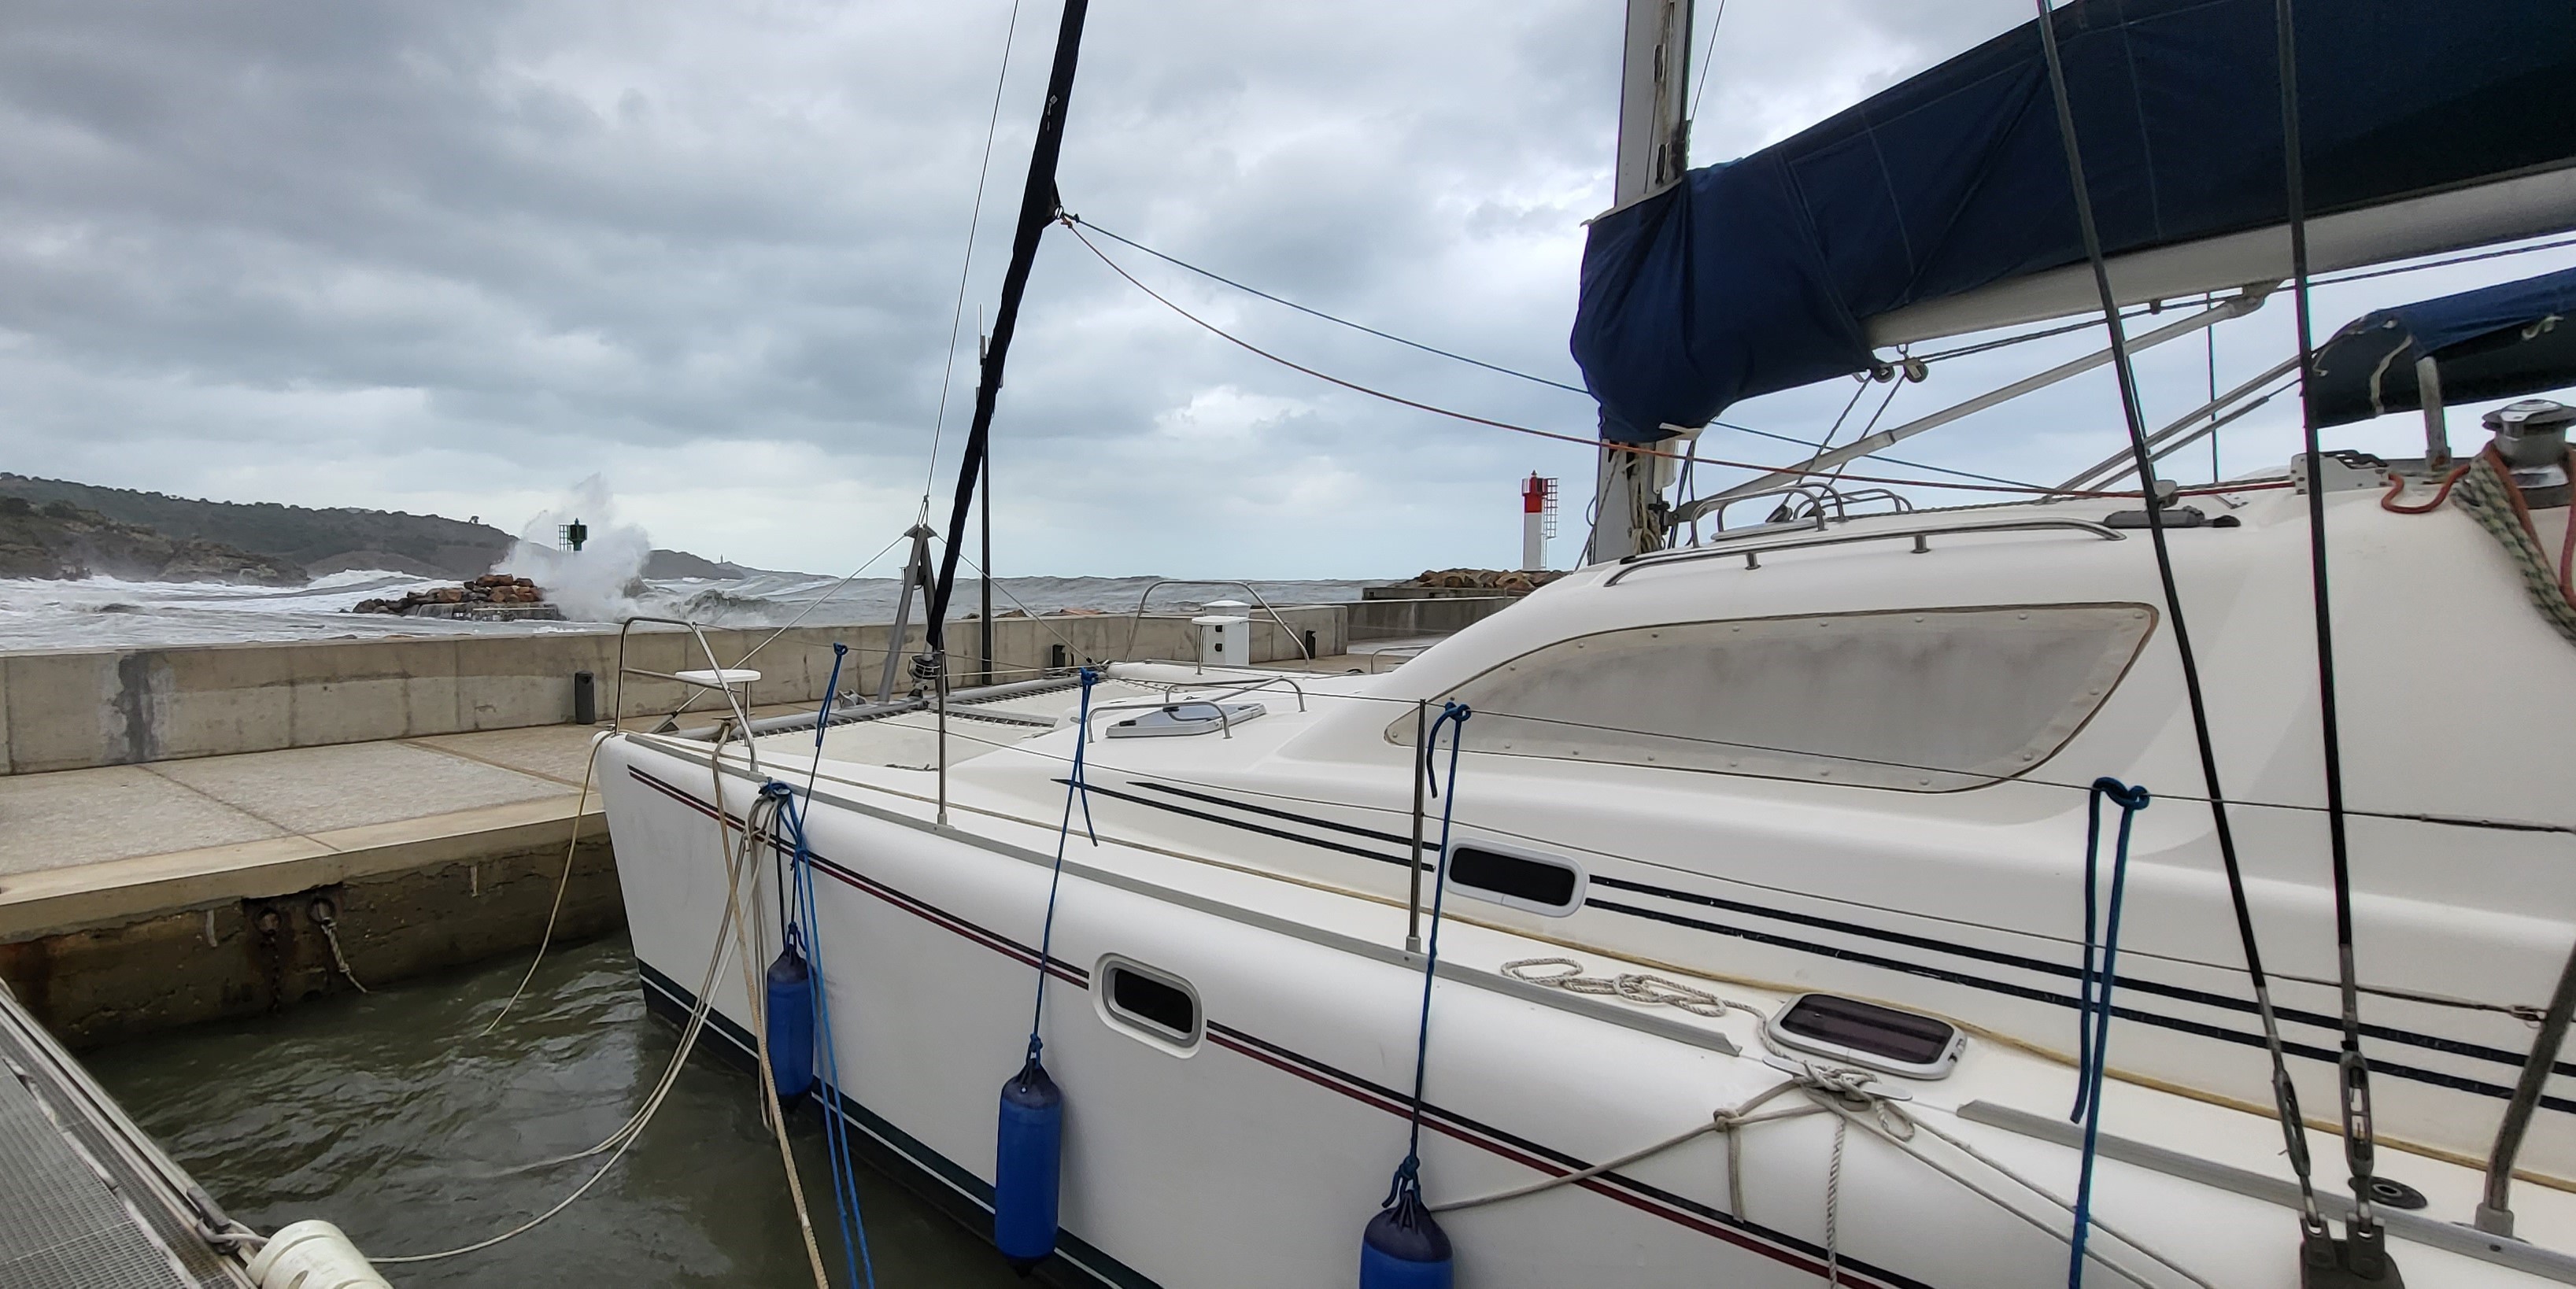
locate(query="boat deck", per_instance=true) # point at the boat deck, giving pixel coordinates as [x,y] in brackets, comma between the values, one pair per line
[84,1198]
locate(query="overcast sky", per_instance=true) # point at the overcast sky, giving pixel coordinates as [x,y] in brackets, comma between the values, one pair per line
[454,257]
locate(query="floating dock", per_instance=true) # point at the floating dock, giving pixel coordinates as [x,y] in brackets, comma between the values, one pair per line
[85,1198]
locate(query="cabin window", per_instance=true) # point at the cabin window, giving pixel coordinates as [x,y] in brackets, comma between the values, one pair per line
[1537,883]
[1155,1005]
[1935,700]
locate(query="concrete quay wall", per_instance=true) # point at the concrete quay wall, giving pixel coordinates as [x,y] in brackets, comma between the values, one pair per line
[232,942]
[77,709]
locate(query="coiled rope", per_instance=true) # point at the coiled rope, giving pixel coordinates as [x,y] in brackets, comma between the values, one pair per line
[2491,497]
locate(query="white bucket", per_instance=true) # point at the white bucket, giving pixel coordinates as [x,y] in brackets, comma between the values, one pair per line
[313,1255]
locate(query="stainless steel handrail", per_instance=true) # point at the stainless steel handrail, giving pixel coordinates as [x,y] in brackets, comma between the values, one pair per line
[1816,495]
[617,695]
[1289,681]
[1136,620]
[1752,554]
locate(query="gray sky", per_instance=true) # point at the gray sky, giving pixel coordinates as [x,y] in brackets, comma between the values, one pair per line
[454,257]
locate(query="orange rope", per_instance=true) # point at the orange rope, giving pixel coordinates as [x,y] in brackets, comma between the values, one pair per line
[2397,484]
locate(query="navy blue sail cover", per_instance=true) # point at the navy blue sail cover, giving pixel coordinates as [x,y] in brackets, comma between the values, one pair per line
[2495,342]
[1759,274]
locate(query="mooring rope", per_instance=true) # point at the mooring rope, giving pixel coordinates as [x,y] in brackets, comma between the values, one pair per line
[804,937]
[736,860]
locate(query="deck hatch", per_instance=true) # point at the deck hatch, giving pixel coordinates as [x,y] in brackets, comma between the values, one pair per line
[1931,700]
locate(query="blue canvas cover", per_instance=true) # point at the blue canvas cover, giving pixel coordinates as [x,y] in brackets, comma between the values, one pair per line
[1759,274]
[2495,342]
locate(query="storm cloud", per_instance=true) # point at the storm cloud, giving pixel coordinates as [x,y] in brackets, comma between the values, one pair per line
[454,257]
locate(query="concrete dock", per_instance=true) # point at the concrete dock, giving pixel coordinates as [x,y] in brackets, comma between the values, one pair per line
[136,897]
[193,833]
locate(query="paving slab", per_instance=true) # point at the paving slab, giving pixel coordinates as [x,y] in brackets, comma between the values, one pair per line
[318,789]
[557,752]
[73,817]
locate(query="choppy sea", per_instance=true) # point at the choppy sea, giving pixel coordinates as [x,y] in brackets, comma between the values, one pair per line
[108,613]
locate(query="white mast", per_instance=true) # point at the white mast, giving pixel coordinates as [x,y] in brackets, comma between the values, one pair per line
[1654,150]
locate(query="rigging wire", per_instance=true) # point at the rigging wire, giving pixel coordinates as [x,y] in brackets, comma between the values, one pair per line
[2284,1093]
[1592,443]
[983,172]
[1214,276]
[1872,428]
[1708,58]
[2337,279]
[1498,368]
[2362,1253]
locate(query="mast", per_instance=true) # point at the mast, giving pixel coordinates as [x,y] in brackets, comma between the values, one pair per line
[1653,151]
[1038,207]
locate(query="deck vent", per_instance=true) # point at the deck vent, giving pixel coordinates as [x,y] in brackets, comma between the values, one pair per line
[1154,1005]
[1182,719]
[1516,879]
[1866,1034]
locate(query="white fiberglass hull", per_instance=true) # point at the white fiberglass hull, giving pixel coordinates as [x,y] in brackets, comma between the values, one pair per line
[1254,1157]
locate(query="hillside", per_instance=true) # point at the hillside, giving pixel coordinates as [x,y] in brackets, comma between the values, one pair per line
[60,540]
[317,541]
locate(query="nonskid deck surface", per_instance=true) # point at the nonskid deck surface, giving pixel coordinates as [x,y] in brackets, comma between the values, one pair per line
[911,740]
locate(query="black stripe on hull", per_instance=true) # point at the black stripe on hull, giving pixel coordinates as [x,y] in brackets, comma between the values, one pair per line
[1679,1210]
[2179,993]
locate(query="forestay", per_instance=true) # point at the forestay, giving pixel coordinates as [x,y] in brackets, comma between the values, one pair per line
[1942,205]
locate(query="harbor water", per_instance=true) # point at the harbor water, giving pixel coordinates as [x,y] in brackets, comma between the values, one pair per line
[387,1114]
[105,613]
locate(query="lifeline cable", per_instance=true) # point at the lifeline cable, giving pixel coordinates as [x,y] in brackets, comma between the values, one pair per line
[2363,1252]
[2285,1096]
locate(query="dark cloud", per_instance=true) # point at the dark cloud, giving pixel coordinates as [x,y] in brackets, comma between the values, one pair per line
[454,256]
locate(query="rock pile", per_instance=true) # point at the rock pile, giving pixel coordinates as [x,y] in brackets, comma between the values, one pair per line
[491,588]
[1507,581]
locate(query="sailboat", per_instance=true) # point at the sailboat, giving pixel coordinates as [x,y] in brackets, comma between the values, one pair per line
[1870,894]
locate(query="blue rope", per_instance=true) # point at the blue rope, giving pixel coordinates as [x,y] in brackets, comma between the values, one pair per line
[1074,786]
[1407,1184]
[2093,1006]
[803,938]
[803,935]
